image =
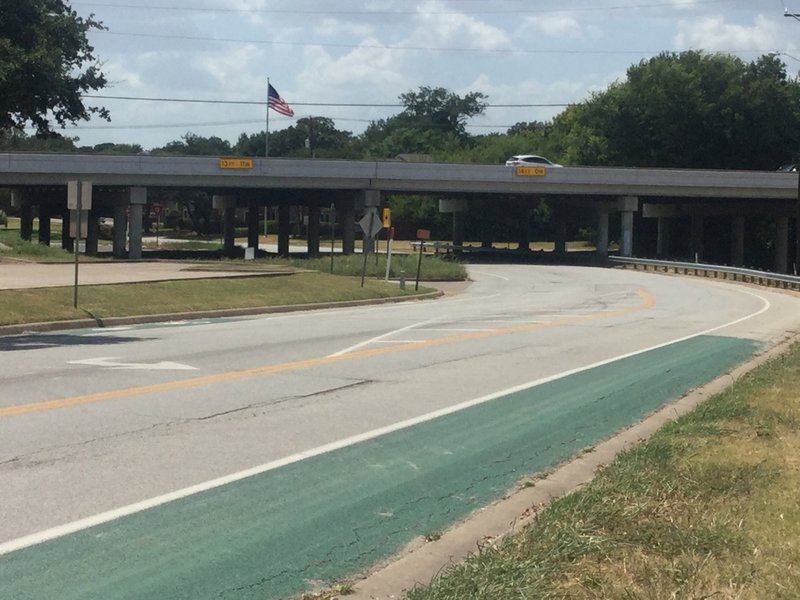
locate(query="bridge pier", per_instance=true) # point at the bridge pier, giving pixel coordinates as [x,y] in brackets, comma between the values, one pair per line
[737,240]
[312,242]
[21,199]
[782,244]
[457,207]
[253,214]
[696,247]
[45,213]
[346,210]
[284,230]
[137,200]
[663,237]
[627,205]
[227,205]
[602,234]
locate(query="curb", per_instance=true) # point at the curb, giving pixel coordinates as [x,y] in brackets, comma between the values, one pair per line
[24,328]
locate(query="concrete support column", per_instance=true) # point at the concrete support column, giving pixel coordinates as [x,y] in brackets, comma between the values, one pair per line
[560,240]
[458,207]
[486,225]
[347,211]
[524,230]
[662,241]
[138,200]
[22,200]
[627,205]
[120,231]
[92,233]
[227,205]
[313,231]
[458,232]
[696,239]
[253,213]
[67,243]
[602,234]
[737,241]
[45,213]
[284,229]
[782,245]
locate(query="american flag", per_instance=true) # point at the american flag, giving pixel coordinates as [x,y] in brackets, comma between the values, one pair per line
[278,104]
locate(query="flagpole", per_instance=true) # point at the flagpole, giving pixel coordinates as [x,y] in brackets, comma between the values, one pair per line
[266,131]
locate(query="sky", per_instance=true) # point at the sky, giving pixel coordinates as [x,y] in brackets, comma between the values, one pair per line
[350,60]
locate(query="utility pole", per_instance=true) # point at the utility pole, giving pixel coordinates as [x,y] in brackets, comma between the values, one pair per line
[796,17]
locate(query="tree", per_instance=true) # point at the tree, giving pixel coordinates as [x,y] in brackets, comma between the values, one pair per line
[43,56]
[434,120]
[16,140]
[687,110]
[441,110]
[196,145]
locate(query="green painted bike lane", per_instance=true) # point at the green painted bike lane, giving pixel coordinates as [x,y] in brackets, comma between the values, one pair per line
[328,517]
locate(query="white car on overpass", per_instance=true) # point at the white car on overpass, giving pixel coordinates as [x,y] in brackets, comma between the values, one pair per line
[533,160]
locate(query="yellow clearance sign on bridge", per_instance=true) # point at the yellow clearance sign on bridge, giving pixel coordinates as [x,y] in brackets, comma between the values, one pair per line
[531,171]
[235,163]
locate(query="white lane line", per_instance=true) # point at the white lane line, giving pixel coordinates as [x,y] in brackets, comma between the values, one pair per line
[75,526]
[450,329]
[381,337]
[495,275]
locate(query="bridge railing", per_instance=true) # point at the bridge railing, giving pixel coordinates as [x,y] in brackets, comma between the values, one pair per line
[753,276]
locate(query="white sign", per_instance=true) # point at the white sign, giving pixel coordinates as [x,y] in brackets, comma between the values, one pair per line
[84,188]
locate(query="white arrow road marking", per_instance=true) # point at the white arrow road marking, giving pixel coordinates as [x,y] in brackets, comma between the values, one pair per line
[108,362]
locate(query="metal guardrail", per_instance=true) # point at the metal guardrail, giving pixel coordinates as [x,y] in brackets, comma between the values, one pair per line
[753,276]
[764,278]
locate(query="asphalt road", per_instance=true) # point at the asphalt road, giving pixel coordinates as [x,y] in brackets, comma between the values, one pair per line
[254,457]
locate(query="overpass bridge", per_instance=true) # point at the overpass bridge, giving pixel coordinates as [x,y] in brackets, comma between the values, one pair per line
[120,185]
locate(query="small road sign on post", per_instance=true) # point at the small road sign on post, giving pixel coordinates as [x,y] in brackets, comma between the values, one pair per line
[370,225]
[79,200]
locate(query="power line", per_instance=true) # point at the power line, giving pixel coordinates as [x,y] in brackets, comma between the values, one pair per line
[480,11]
[198,38]
[322,104]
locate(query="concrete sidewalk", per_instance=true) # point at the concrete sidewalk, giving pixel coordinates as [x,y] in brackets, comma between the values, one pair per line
[21,275]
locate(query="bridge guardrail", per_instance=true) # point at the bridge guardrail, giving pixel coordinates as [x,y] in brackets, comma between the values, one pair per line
[764,278]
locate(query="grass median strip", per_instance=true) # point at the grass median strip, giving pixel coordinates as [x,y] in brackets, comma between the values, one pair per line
[119,300]
[707,508]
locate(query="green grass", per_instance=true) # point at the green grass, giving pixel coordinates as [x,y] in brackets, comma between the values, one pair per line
[104,301]
[707,508]
[434,268]
[11,245]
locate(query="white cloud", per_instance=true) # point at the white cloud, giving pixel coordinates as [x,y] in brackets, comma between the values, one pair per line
[331,27]
[714,33]
[554,25]
[439,27]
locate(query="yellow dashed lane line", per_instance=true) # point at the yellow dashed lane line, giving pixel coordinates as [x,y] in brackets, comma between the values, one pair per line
[647,301]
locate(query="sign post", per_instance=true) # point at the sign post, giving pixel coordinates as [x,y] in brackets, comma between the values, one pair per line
[389,239]
[333,230]
[422,235]
[79,199]
[157,210]
[370,225]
